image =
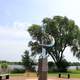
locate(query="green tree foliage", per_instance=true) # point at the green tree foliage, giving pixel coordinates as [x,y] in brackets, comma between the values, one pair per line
[4,65]
[52,67]
[27,61]
[10,63]
[74,63]
[65,32]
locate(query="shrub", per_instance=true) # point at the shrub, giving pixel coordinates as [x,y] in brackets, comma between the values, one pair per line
[18,70]
[4,65]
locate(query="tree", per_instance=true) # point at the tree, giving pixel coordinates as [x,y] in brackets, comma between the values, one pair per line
[51,66]
[4,67]
[27,61]
[65,32]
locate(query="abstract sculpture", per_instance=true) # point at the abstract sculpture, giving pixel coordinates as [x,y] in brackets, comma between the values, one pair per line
[43,64]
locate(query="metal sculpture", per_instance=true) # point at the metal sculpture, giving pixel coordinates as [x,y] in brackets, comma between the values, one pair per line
[43,64]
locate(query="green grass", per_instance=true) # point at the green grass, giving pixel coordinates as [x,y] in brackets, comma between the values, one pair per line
[73,74]
[74,71]
[64,75]
[17,74]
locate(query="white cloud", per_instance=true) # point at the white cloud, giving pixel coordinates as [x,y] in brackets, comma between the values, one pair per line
[69,55]
[13,41]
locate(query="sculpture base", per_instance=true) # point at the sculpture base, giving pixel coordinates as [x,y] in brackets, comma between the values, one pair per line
[42,69]
[42,76]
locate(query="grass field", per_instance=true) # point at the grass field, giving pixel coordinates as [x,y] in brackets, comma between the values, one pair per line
[73,74]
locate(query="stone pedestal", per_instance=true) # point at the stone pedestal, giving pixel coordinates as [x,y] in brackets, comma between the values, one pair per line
[42,69]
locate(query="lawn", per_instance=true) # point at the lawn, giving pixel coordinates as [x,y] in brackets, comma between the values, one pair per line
[73,74]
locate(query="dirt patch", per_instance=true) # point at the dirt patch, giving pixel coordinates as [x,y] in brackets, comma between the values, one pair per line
[34,78]
[17,78]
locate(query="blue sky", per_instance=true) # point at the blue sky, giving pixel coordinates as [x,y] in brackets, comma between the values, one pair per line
[17,15]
